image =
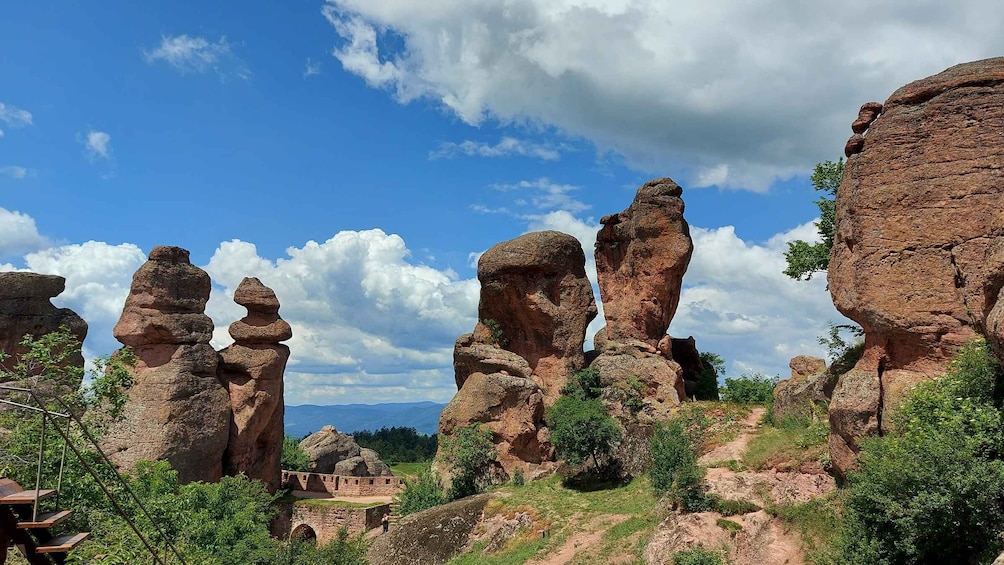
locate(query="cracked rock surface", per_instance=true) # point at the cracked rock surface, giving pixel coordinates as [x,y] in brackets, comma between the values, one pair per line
[918,256]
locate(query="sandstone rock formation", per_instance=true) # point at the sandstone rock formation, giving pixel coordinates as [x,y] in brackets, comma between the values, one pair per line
[252,370]
[810,384]
[512,408]
[918,256]
[684,351]
[177,410]
[536,302]
[331,452]
[25,309]
[535,305]
[641,256]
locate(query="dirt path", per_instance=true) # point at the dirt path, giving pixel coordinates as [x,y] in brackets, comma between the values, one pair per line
[586,536]
[733,450]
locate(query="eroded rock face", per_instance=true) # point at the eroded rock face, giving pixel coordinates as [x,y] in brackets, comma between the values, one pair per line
[641,256]
[684,351]
[536,302]
[177,410]
[471,357]
[512,409]
[25,309]
[252,370]
[810,384]
[917,259]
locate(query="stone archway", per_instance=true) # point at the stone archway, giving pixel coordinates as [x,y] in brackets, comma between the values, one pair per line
[303,532]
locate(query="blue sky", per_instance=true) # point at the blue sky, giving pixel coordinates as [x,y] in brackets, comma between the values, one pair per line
[357,155]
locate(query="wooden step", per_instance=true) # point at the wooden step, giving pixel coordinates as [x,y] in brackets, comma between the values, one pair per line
[46,520]
[62,544]
[26,496]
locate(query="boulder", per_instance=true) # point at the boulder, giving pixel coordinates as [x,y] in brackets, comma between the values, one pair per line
[471,357]
[641,256]
[25,309]
[684,352]
[512,409]
[810,384]
[917,258]
[327,447]
[177,410]
[659,378]
[252,369]
[536,303]
[366,464]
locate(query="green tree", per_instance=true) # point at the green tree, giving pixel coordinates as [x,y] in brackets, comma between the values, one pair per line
[932,490]
[805,259]
[675,471]
[293,457]
[751,388]
[707,381]
[420,493]
[469,452]
[582,429]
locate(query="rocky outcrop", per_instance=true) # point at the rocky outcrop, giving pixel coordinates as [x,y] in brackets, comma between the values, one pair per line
[641,256]
[431,536]
[684,352]
[331,452]
[918,255]
[811,384]
[536,302]
[252,370]
[177,410]
[25,309]
[512,409]
[471,357]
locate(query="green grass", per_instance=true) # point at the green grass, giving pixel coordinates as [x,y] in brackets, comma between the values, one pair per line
[409,471]
[817,521]
[518,555]
[786,447]
[728,525]
[327,502]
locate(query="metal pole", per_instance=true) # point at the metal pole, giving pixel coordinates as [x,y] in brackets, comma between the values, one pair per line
[62,462]
[38,474]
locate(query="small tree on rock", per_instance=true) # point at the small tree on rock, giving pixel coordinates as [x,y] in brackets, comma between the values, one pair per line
[469,452]
[581,429]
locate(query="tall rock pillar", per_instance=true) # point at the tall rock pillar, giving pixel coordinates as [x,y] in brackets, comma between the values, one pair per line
[252,369]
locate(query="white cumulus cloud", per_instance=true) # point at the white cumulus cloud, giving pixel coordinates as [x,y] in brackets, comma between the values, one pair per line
[14,171]
[19,234]
[735,93]
[14,117]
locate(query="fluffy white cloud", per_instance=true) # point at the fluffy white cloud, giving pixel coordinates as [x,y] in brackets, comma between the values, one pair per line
[506,147]
[14,171]
[97,144]
[365,318]
[737,303]
[742,92]
[19,234]
[187,54]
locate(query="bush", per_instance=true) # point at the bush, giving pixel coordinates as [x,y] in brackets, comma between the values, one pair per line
[675,471]
[932,490]
[707,381]
[293,457]
[698,556]
[752,388]
[469,452]
[419,494]
[584,385]
[581,430]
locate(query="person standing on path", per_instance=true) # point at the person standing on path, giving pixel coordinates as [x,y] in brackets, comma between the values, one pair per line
[385,522]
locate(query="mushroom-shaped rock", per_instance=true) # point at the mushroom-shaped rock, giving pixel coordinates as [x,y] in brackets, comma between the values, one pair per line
[177,409]
[25,309]
[536,302]
[917,256]
[252,369]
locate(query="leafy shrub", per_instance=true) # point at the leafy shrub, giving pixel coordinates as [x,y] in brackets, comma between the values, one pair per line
[698,556]
[582,429]
[751,388]
[584,385]
[707,381]
[932,491]
[675,471]
[727,507]
[469,452]
[728,525]
[517,478]
[293,457]
[496,336]
[419,494]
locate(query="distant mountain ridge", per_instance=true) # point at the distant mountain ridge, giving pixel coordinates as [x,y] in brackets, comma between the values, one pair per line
[348,418]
